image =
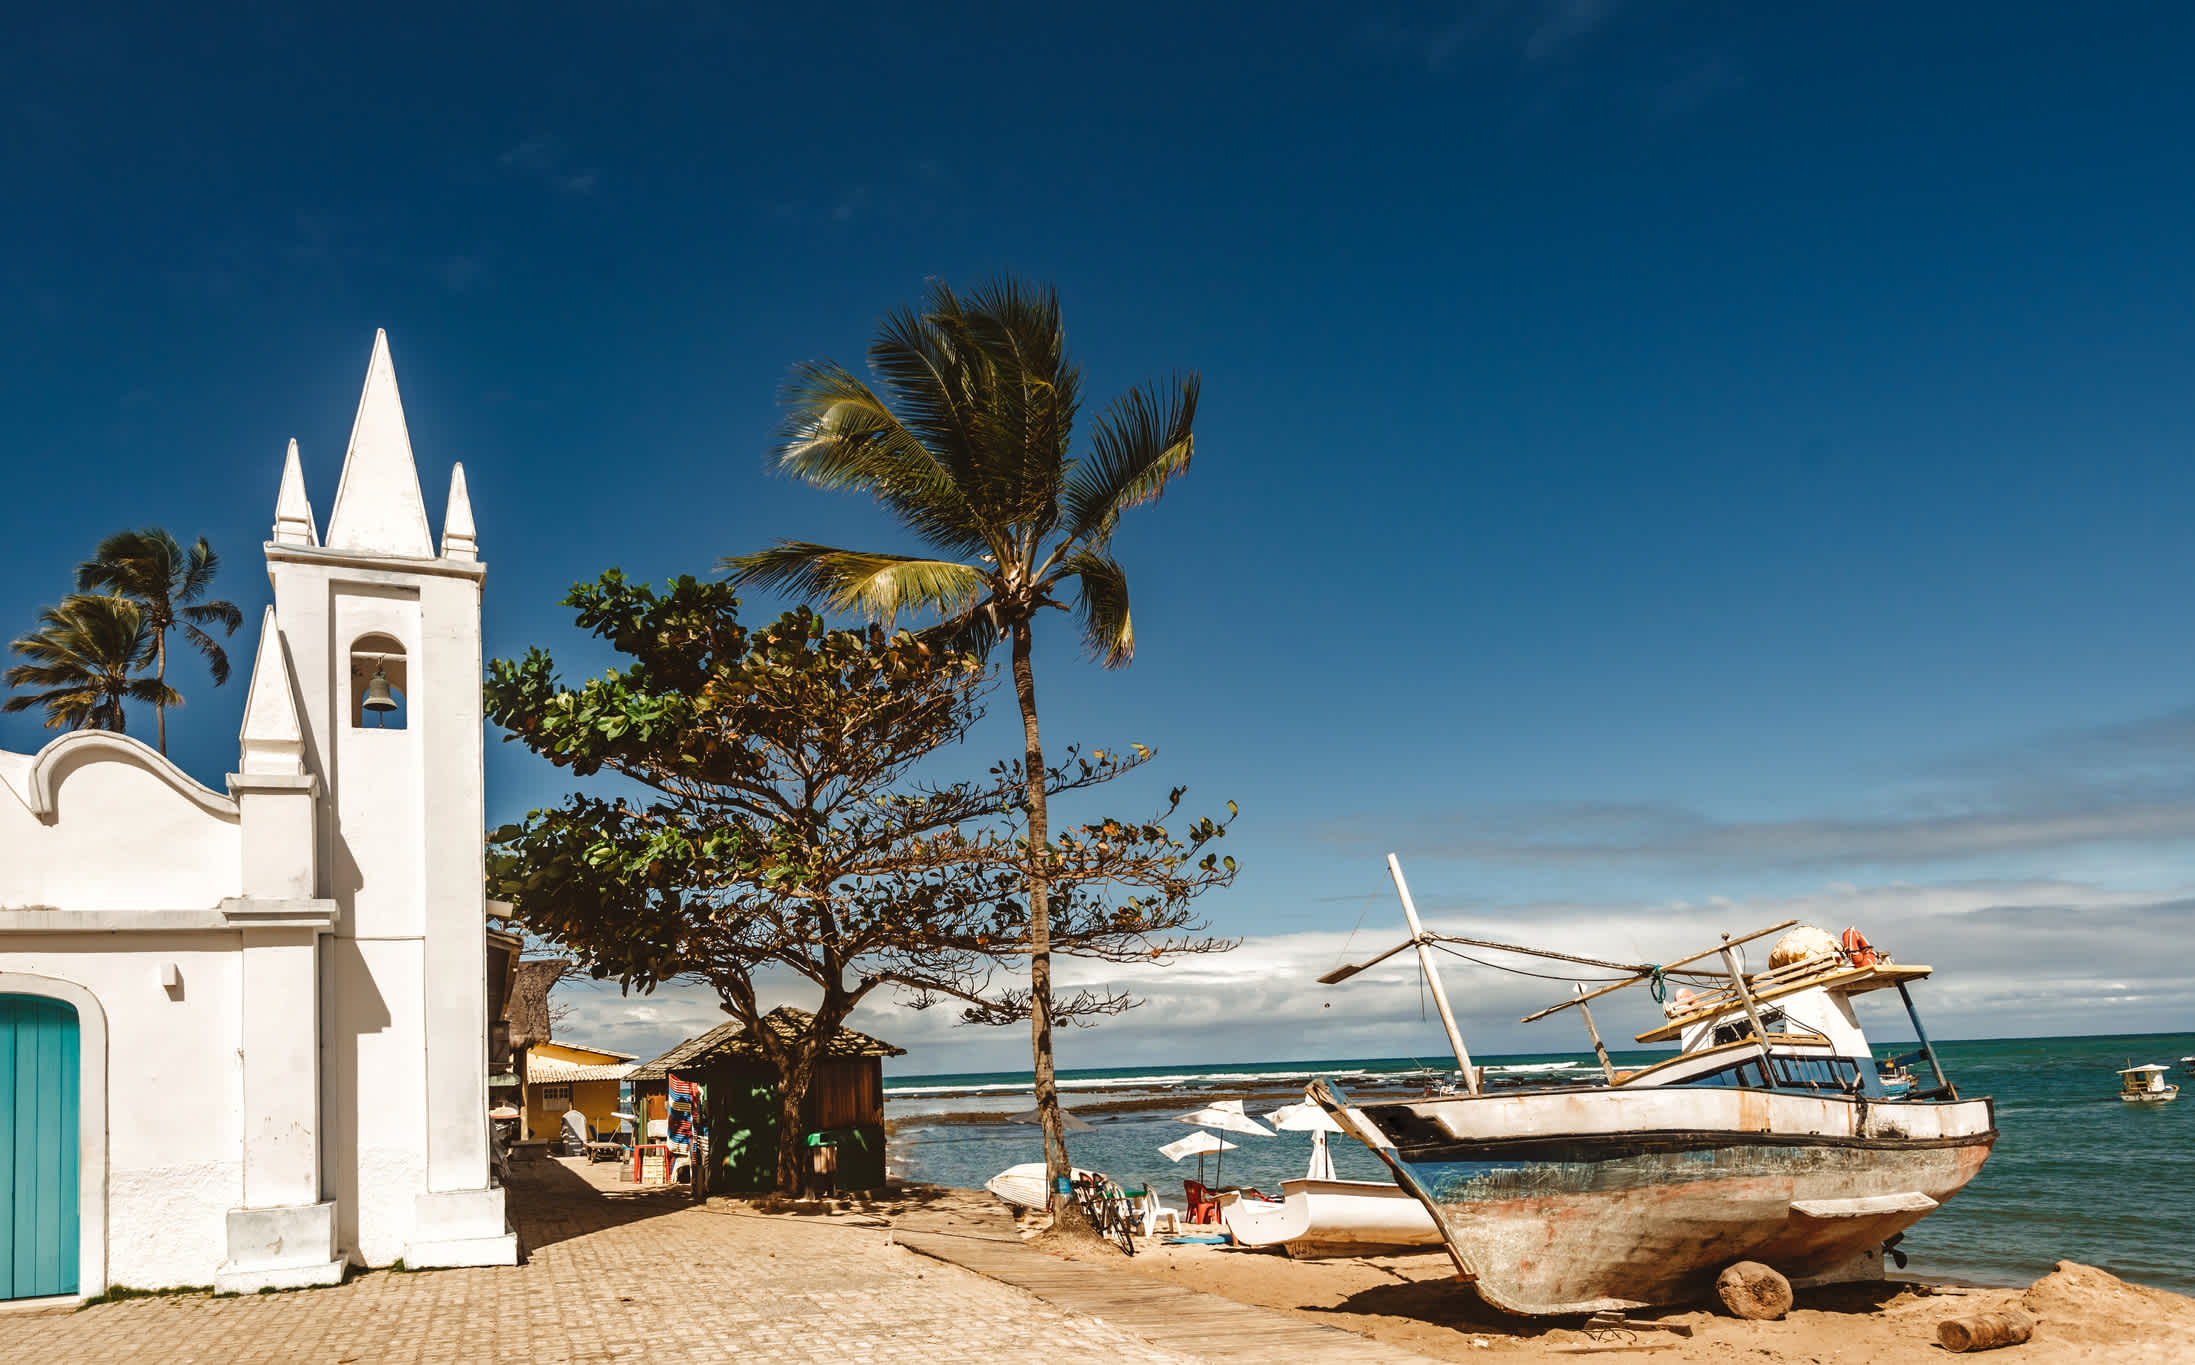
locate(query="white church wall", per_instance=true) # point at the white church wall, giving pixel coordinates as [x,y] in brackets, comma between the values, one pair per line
[173,1093]
[376,1041]
[184,847]
[376,779]
[446,712]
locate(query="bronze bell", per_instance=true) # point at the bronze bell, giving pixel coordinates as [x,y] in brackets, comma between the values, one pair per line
[378,697]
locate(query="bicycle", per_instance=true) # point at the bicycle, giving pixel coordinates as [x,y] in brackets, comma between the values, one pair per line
[1106,1205]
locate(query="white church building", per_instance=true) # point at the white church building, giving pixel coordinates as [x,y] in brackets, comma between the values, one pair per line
[243,1033]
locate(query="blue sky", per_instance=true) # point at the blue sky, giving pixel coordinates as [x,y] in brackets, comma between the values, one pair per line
[1650,452]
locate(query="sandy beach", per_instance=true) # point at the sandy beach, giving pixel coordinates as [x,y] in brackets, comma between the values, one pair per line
[1412,1303]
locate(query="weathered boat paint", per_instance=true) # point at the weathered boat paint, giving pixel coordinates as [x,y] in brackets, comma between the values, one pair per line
[1591,1199]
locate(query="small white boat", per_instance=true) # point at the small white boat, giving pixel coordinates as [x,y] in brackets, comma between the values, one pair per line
[2146,1085]
[1023,1184]
[1321,1218]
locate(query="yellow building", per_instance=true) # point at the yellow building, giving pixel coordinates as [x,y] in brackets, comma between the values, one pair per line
[561,1076]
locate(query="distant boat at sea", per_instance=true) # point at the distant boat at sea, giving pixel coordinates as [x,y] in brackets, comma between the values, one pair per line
[2146,1085]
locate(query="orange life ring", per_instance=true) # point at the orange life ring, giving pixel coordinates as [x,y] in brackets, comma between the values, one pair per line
[1858,949]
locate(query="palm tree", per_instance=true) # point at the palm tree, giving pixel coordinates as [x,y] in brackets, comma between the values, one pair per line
[86,653]
[969,448]
[151,569]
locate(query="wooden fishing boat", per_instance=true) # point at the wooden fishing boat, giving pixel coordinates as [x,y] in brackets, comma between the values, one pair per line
[1766,1138]
[1321,1218]
[2146,1085]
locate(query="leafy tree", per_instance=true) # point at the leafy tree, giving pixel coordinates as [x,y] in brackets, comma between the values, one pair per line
[778,822]
[167,582]
[969,446]
[86,653]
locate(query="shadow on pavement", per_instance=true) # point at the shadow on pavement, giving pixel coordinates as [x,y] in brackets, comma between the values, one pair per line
[551,1201]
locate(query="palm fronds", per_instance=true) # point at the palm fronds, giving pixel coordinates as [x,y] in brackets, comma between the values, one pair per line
[84,654]
[1101,603]
[879,586]
[152,569]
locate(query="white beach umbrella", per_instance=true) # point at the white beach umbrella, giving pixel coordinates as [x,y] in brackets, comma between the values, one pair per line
[1197,1144]
[1303,1117]
[1227,1116]
[1309,1118]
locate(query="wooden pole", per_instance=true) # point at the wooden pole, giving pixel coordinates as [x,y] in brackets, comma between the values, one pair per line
[1432,978]
[1745,996]
[1600,1049]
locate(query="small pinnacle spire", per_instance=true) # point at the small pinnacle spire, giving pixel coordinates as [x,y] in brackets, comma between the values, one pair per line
[457,523]
[293,523]
[378,509]
[271,738]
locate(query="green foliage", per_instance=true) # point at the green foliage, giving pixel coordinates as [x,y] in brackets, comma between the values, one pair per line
[971,447]
[783,821]
[84,655]
[774,816]
[169,584]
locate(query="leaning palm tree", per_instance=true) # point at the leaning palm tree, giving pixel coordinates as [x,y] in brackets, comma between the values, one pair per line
[969,447]
[151,569]
[86,653]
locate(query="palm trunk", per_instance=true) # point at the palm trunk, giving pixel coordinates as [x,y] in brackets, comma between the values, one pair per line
[1056,1167]
[160,671]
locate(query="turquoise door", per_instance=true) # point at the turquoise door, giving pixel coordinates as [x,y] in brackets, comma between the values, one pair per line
[38,1137]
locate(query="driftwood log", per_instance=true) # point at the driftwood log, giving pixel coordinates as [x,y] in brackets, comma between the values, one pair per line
[1981,1332]
[1752,1290]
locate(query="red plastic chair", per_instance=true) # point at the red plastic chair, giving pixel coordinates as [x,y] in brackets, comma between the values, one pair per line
[1203,1208]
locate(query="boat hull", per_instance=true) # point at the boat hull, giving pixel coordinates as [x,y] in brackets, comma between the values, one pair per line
[1580,1201]
[1325,1218]
[1024,1185]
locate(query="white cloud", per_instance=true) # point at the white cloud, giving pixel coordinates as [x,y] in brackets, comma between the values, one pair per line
[2012,958]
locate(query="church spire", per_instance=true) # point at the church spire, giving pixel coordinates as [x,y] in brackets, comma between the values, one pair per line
[272,740]
[457,523]
[293,523]
[378,509]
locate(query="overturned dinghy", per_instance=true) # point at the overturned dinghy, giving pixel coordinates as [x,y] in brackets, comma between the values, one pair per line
[1767,1138]
[1024,1184]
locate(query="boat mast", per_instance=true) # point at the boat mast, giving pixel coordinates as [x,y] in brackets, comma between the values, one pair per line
[1432,978]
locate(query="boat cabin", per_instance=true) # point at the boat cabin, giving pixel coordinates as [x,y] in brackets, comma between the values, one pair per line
[1810,1038]
[2145,1085]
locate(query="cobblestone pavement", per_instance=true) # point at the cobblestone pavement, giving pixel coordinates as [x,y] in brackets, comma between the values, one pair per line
[609,1277]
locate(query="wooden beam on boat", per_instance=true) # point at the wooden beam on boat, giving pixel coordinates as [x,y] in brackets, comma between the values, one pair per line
[1850,980]
[1665,967]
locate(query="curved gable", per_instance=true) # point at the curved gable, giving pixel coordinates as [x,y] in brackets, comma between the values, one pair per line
[105,823]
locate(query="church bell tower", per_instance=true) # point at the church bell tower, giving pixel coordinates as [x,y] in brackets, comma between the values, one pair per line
[383,636]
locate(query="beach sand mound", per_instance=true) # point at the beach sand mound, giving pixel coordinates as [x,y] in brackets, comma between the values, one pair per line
[2090,1307]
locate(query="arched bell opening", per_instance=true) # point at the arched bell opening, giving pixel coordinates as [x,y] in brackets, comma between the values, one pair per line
[380,685]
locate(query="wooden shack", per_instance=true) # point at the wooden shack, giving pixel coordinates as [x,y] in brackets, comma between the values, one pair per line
[739,1103]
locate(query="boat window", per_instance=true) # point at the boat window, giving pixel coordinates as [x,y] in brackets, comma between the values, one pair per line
[1771,1021]
[1837,1074]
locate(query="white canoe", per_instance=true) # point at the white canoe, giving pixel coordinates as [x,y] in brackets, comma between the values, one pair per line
[1023,1184]
[1315,1218]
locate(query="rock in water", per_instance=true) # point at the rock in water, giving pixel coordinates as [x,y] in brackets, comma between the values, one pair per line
[2006,1327]
[1752,1290]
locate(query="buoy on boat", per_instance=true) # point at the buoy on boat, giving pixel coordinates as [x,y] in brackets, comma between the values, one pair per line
[1858,948]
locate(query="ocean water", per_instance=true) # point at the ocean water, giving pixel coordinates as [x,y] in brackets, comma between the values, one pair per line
[2076,1175]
